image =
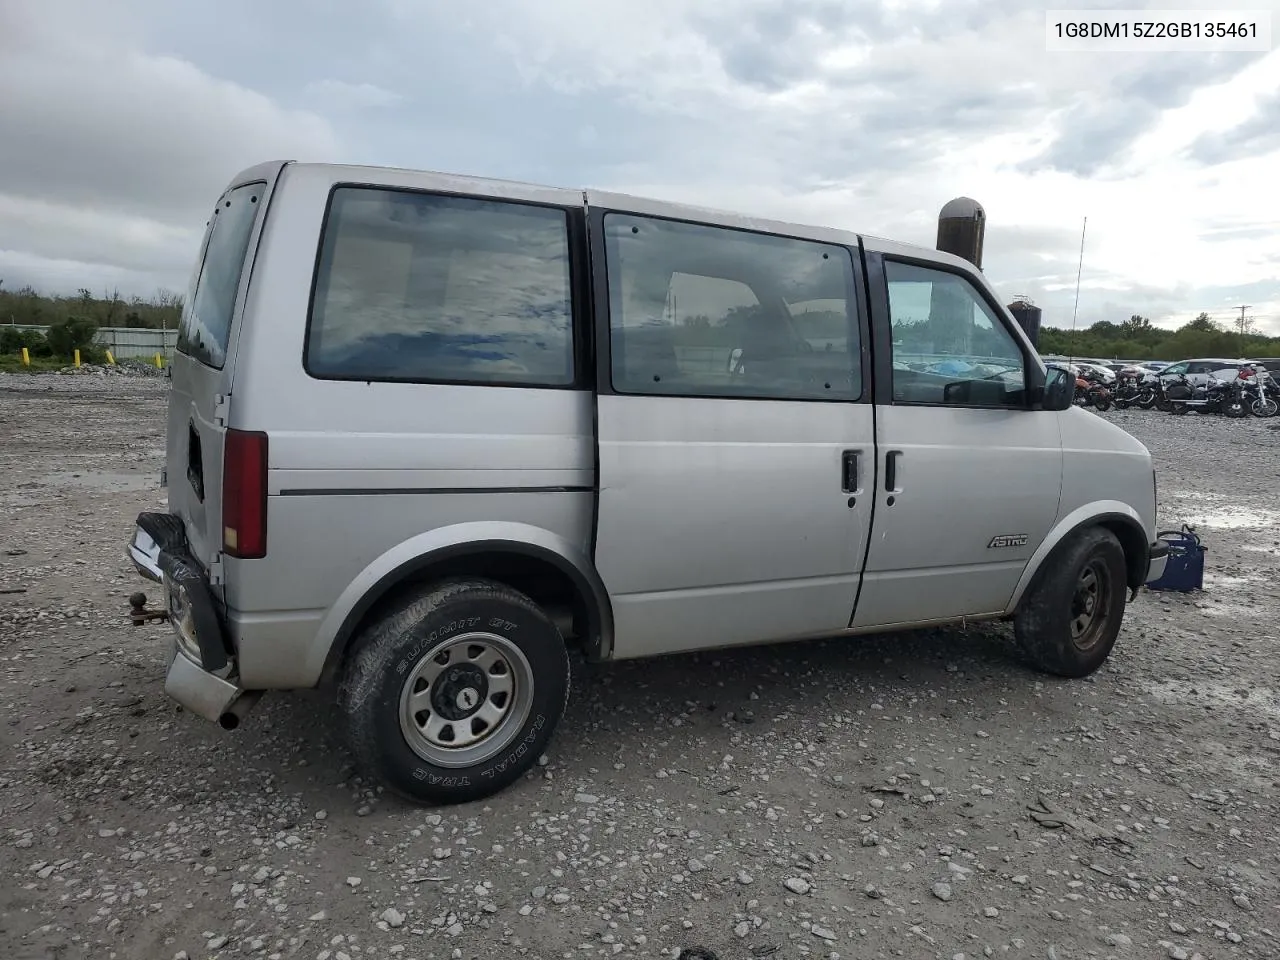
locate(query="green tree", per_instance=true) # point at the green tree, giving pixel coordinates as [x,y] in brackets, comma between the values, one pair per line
[74,333]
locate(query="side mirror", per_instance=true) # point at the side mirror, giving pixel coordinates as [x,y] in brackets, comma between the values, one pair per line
[1059,389]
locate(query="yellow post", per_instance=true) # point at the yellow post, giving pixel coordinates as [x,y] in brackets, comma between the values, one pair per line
[77,358]
[26,358]
[159,362]
[110,359]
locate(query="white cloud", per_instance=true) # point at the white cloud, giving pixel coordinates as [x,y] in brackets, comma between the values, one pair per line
[340,95]
[113,156]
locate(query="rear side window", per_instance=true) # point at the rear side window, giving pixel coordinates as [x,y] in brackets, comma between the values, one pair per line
[421,287]
[205,330]
[707,311]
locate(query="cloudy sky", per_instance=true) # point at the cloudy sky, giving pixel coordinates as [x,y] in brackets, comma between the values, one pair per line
[121,121]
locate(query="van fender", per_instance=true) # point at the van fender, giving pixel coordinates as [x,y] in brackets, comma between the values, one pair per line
[458,540]
[1091,514]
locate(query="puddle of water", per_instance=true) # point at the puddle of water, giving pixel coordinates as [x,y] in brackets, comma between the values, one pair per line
[1262,700]
[1223,514]
[100,480]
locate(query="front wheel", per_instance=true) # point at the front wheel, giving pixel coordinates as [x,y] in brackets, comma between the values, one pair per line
[453,694]
[1265,408]
[1069,618]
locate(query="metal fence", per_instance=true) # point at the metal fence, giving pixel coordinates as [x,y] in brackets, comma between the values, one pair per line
[126,343]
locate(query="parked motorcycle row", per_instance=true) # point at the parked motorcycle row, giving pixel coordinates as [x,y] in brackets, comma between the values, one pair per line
[1251,392]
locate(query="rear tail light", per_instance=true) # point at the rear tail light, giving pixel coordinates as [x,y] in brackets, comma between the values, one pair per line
[244,495]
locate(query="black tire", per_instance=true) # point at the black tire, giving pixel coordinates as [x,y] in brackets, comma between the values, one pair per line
[439,622]
[1147,400]
[1045,617]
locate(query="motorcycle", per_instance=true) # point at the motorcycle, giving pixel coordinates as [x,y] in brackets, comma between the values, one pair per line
[1091,394]
[1216,396]
[1261,395]
[1130,390]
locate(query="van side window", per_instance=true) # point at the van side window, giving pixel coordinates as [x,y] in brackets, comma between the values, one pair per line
[205,329]
[421,287]
[949,347]
[702,311]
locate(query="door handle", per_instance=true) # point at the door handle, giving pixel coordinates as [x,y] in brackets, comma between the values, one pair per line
[891,471]
[851,475]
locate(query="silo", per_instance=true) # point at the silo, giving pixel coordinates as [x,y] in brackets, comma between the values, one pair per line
[961,226]
[1028,316]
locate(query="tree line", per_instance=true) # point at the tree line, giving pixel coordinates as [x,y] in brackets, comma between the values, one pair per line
[1138,339]
[26,305]
[73,321]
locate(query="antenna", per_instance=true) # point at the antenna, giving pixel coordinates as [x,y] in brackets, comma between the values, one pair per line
[1079,272]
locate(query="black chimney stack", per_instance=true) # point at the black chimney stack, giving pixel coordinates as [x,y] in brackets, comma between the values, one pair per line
[961,227]
[1028,316]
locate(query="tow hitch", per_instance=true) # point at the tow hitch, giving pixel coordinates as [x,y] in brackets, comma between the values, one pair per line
[139,614]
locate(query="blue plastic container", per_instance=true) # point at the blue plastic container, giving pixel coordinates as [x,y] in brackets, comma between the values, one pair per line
[1184,570]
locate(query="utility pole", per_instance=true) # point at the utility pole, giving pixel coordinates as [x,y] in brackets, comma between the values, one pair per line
[1244,321]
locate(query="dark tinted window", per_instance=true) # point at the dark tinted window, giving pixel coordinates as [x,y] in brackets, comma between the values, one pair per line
[712,312]
[949,346]
[205,330]
[414,286]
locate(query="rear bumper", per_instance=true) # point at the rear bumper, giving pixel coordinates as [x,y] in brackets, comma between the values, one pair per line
[205,694]
[203,673]
[1157,557]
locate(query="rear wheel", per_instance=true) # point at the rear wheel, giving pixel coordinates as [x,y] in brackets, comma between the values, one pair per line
[454,694]
[1070,616]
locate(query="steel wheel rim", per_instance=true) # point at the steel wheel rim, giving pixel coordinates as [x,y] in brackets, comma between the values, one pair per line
[466,700]
[1090,604]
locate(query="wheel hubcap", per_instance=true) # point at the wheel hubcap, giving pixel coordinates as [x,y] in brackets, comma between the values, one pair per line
[1089,605]
[466,700]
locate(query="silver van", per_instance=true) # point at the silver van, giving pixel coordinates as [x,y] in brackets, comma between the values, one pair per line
[428,432]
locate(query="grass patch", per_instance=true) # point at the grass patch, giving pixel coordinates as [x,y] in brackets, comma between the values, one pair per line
[12,363]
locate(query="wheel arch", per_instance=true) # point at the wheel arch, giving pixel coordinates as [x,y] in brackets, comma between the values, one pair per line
[527,558]
[1119,518]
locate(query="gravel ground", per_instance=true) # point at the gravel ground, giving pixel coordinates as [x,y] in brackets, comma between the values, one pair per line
[912,796]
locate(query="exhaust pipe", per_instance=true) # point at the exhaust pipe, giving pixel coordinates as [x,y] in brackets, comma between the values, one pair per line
[236,710]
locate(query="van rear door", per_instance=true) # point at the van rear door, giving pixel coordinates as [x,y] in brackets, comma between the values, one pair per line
[204,362]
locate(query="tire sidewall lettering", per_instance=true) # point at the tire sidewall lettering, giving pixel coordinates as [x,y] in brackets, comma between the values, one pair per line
[435,637]
[521,748]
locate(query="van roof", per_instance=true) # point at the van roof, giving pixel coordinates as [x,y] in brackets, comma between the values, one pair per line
[643,205]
